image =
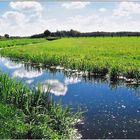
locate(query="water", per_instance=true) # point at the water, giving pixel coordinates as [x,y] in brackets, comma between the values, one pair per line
[110,110]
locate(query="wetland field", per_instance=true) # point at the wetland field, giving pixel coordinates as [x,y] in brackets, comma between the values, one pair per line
[118,56]
[82,87]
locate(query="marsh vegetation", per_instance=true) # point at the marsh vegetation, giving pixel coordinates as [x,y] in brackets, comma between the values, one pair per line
[34,113]
[99,56]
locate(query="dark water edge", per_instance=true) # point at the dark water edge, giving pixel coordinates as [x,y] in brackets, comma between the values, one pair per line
[111,110]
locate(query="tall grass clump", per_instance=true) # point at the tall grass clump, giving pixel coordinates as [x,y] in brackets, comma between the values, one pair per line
[100,70]
[133,74]
[43,118]
[115,73]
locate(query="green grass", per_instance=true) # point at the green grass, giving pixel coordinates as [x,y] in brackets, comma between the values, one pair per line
[97,55]
[14,42]
[11,121]
[31,114]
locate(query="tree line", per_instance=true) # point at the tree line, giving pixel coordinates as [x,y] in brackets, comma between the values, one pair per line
[74,33]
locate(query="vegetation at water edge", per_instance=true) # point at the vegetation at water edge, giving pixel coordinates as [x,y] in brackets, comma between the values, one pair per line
[31,114]
[100,56]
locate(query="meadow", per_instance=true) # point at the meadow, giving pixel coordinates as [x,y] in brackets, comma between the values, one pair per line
[117,56]
[14,42]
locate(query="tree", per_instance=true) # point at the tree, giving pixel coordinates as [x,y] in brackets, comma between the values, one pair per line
[6,36]
[74,33]
[47,33]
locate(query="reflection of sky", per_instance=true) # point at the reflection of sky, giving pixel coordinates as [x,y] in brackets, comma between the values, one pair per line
[29,81]
[27,74]
[108,112]
[57,88]
[2,59]
[72,80]
[11,65]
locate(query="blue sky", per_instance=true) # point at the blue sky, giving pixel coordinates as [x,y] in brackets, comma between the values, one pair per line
[31,17]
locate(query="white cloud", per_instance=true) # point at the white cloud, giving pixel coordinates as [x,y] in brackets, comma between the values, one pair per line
[75,5]
[25,21]
[103,10]
[100,23]
[14,17]
[84,23]
[83,20]
[127,9]
[26,5]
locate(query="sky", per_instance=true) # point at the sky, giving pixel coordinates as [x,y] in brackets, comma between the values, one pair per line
[24,18]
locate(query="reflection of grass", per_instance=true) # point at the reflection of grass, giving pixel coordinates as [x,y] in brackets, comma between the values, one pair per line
[97,55]
[39,117]
[15,42]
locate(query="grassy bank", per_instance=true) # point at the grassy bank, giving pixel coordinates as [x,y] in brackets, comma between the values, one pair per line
[118,56]
[11,121]
[14,42]
[31,114]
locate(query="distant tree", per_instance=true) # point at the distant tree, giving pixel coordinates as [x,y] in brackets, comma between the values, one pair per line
[6,36]
[38,35]
[58,33]
[74,33]
[47,33]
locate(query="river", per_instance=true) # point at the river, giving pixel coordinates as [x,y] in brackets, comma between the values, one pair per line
[110,110]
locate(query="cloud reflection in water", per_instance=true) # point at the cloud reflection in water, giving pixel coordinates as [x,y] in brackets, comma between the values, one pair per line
[2,59]
[72,80]
[27,74]
[29,81]
[57,88]
[11,65]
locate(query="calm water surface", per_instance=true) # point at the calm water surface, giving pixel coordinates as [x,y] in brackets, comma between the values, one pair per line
[110,110]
